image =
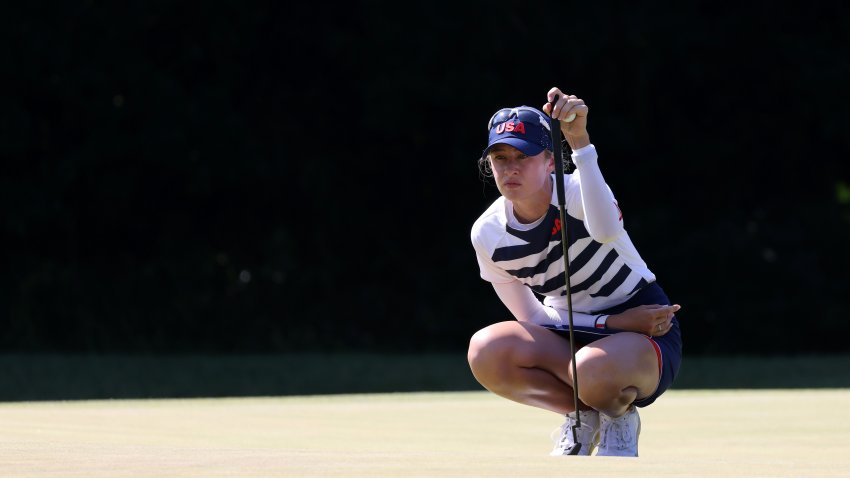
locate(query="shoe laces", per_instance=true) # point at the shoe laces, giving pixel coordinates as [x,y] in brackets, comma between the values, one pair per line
[616,433]
[564,434]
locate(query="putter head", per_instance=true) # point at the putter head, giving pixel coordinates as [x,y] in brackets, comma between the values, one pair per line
[573,450]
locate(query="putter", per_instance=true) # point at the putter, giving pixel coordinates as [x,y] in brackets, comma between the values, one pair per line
[559,184]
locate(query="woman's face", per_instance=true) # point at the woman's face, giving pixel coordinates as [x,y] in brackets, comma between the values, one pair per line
[520,177]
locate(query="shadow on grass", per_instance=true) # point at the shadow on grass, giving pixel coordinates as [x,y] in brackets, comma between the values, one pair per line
[78,377]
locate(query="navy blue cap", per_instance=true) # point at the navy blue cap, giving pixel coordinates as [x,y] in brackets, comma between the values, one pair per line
[525,128]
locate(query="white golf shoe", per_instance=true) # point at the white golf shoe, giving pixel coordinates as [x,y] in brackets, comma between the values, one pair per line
[619,436]
[587,433]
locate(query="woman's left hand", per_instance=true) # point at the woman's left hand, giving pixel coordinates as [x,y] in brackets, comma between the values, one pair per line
[653,320]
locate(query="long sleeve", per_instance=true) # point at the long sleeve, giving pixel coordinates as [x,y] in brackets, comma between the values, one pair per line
[525,307]
[601,212]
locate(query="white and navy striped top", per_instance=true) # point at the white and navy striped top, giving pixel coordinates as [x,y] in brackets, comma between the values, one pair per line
[602,275]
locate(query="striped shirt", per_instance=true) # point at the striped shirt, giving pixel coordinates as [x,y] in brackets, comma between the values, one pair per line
[602,275]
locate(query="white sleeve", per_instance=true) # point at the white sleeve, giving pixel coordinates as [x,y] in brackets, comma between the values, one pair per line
[489,270]
[525,307]
[601,212]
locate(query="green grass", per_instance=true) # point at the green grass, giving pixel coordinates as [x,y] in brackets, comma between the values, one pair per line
[686,433]
[70,377]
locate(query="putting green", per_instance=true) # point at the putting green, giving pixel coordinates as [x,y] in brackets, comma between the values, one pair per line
[769,433]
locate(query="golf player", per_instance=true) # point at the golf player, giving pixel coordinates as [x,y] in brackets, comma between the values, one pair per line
[627,337]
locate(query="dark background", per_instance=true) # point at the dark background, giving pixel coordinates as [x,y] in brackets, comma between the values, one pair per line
[255,177]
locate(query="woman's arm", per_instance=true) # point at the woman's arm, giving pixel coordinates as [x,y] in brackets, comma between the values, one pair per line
[525,307]
[601,212]
[652,320]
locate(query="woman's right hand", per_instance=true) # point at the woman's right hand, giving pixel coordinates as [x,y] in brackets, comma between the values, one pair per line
[653,320]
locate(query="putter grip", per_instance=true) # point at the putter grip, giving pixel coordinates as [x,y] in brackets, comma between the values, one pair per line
[559,157]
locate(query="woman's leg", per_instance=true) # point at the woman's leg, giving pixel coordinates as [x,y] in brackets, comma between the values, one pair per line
[616,370]
[529,364]
[525,363]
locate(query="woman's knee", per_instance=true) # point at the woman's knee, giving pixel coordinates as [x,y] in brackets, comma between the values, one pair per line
[607,396]
[477,344]
[482,347]
[492,351]
[611,375]
[600,383]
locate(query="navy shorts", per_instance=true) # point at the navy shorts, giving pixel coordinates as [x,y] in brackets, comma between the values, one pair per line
[668,346]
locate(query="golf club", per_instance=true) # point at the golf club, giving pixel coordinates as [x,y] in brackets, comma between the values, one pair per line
[559,184]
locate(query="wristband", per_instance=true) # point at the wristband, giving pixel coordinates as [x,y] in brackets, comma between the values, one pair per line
[601,321]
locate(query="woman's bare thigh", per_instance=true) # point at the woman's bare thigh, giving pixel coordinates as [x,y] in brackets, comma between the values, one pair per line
[620,361]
